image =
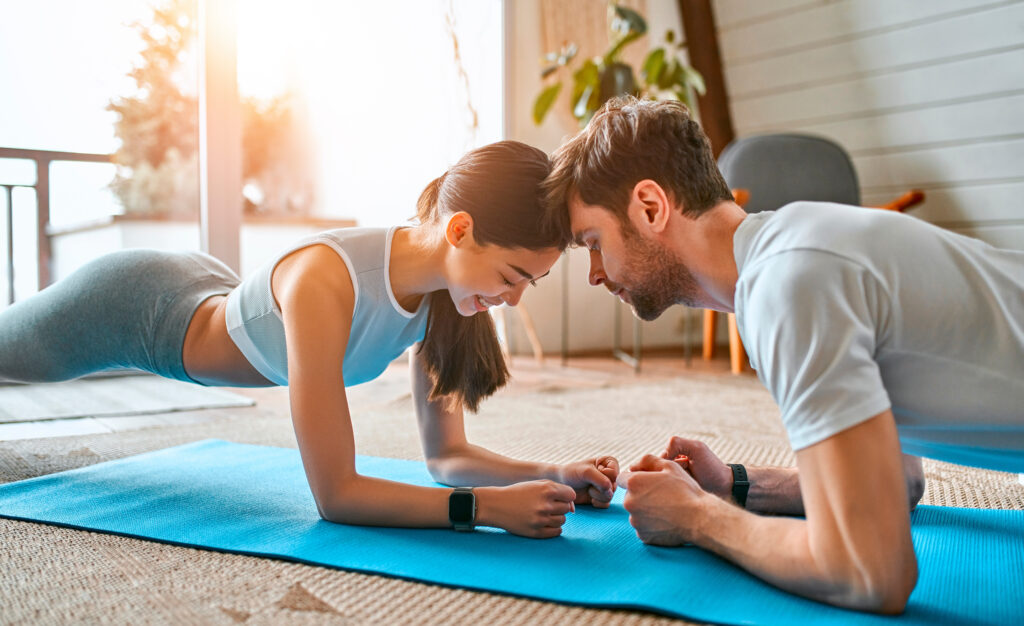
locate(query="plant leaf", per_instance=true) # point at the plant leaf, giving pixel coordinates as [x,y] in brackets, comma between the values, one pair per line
[629,20]
[684,97]
[588,74]
[609,57]
[583,107]
[544,101]
[653,65]
[694,79]
[670,36]
[666,79]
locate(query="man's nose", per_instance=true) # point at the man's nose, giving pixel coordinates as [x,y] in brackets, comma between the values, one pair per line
[597,275]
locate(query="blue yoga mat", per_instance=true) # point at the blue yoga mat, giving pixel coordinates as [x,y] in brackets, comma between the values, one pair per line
[254,500]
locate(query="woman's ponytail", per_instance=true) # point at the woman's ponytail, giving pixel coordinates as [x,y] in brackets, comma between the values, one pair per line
[461,354]
[426,205]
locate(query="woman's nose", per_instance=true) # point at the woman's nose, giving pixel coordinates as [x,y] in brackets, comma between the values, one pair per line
[512,296]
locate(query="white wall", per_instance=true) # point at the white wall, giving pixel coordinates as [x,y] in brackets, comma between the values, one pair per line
[591,309]
[922,94]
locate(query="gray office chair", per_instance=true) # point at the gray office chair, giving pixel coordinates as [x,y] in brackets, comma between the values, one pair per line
[778,169]
[767,172]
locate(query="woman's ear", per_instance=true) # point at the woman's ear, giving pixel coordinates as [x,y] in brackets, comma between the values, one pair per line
[649,206]
[459,229]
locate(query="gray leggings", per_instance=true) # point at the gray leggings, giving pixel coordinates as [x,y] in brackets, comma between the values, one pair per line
[127,309]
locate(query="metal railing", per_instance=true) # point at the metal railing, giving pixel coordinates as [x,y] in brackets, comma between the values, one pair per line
[42,159]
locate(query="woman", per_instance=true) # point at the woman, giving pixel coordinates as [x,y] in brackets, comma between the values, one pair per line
[339,307]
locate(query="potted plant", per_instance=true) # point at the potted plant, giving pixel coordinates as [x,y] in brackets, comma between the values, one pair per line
[595,81]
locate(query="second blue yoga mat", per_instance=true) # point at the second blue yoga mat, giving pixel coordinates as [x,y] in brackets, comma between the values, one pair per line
[254,500]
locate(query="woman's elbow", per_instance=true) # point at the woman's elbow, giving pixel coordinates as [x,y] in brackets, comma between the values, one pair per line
[437,467]
[329,511]
[338,505]
[444,466]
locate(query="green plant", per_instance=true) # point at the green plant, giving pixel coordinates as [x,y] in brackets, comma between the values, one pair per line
[597,80]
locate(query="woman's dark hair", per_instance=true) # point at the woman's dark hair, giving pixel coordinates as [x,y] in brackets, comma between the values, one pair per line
[498,185]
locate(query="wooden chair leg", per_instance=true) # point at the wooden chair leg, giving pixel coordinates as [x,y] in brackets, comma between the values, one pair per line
[737,355]
[710,325]
[531,333]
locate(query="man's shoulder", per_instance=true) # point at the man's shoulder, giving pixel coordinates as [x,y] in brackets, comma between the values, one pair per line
[814,229]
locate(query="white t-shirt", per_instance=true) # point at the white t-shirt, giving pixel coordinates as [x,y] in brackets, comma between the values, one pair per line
[847,311]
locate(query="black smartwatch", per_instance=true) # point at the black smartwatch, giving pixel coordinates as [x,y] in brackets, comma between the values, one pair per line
[462,508]
[740,484]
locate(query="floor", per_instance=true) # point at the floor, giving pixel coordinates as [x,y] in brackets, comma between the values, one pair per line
[590,370]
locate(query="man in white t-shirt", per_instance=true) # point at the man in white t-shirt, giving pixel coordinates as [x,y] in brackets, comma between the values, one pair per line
[882,339]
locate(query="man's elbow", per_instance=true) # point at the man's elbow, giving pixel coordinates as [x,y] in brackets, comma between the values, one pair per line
[887,592]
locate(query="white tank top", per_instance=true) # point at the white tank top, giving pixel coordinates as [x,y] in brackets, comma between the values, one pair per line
[381,328]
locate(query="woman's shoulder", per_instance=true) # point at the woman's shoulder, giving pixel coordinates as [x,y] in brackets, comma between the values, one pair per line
[314,270]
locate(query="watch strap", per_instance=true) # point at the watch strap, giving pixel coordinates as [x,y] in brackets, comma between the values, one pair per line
[740,484]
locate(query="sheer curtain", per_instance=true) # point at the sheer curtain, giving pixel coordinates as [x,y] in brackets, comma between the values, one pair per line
[390,104]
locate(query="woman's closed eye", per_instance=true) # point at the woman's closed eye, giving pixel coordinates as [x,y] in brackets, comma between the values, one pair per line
[509,283]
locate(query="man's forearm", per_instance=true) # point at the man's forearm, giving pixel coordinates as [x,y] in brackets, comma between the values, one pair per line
[778,550]
[777,489]
[774,490]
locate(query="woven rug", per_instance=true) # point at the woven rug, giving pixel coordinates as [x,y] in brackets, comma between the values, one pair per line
[105,397]
[55,575]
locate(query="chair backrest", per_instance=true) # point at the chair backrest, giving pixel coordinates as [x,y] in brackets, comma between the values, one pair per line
[781,168]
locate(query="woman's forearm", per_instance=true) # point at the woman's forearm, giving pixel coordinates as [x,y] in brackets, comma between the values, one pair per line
[368,501]
[473,465]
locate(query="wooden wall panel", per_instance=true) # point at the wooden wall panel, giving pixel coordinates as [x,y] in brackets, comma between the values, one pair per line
[840,57]
[921,94]
[838,21]
[978,78]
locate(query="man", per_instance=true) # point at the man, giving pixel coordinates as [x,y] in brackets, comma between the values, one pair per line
[875,332]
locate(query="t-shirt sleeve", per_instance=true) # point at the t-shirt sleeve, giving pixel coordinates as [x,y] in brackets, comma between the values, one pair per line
[810,321]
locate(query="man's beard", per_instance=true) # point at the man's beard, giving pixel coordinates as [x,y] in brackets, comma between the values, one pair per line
[657,278]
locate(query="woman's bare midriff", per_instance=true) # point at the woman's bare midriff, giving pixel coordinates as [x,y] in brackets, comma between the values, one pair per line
[209,354]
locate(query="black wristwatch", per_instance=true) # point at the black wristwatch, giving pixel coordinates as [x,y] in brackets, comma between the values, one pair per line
[462,508]
[740,484]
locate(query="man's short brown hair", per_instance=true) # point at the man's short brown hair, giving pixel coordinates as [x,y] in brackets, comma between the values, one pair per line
[627,141]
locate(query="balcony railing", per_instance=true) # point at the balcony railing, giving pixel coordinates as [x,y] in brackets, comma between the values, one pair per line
[42,159]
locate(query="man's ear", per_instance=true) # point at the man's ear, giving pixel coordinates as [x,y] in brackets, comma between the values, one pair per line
[459,229]
[649,206]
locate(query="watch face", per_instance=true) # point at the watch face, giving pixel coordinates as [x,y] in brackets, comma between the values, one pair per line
[460,507]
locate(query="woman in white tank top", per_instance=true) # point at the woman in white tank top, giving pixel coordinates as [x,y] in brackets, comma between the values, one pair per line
[332,311]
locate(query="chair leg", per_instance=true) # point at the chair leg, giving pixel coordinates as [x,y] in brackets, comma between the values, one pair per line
[710,325]
[531,333]
[737,355]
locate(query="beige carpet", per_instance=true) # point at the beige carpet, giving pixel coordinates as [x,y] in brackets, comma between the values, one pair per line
[104,397]
[57,576]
